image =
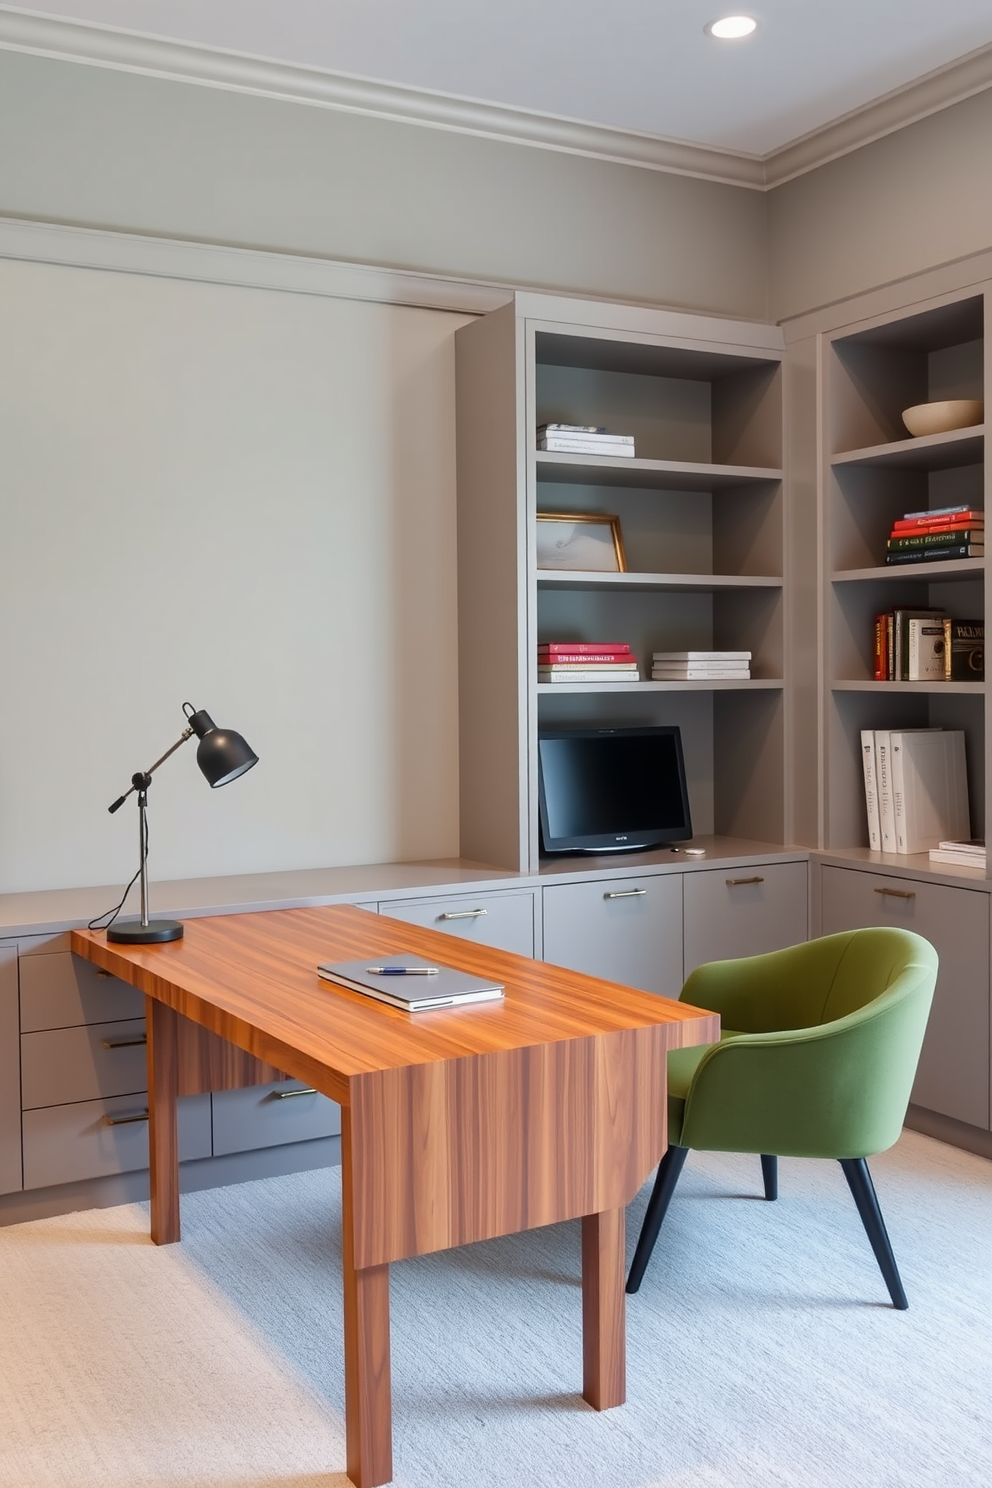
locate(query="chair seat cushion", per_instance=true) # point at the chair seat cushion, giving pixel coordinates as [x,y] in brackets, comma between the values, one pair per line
[682,1065]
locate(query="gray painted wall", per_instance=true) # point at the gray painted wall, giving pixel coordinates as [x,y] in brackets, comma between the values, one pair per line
[906,203]
[109,149]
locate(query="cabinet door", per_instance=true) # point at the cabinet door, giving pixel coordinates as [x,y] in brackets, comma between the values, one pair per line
[624,929]
[953,1075]
[743,911]
[503,920]
[269,1115]
[10,1074]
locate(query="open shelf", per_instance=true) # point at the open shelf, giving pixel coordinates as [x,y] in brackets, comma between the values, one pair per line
[930,452]
[552,578]
[937,688]
[656,475]
[724,684]
[951,569]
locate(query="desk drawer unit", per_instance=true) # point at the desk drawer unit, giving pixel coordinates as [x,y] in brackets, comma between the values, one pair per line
[953,1074]
[624,929]
[95,1139]
[59,990]
[268,1115]
[744,911]
[60,1065]
[504,921]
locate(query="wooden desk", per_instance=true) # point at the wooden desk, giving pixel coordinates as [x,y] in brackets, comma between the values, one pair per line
[457,1125]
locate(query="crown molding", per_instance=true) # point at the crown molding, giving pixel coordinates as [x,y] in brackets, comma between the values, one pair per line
[126,51]
[247,268]
[926,95]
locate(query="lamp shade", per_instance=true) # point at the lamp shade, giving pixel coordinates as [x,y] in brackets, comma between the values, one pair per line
[221,754]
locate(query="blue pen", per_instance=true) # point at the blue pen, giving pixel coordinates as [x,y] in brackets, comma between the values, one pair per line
[402,970]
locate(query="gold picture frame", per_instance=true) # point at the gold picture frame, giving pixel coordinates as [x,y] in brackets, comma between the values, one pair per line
[569,540]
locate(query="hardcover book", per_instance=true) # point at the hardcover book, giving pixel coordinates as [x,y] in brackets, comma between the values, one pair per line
[929,787]
[965,650]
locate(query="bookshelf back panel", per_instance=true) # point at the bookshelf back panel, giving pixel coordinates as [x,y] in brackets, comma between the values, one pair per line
[648,622]
[693,713]
[669,417]
[663,531]
[749,765]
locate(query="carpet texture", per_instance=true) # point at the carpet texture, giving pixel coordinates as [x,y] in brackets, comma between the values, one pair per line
[762,1352]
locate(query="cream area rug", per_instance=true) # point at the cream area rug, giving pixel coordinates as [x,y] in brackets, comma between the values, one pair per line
[762,1352]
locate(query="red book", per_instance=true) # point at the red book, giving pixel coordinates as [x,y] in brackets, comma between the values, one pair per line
[973,518]
[582,648]
[583,658]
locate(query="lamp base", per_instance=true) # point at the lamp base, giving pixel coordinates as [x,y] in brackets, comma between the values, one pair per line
[133,932]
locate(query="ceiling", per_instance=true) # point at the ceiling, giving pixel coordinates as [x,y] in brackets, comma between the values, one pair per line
[636,65]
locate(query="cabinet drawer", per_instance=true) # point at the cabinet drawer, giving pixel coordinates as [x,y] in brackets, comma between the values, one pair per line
[80,1064]
[744,911]
[953,1074]
[65,1143]
[10,1080]
[60,990]
[626,930]
[268,1115]
[505,921]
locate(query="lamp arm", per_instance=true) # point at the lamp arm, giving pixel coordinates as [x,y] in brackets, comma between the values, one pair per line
[142,780]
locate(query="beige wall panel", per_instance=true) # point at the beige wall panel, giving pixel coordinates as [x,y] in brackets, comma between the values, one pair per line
[915,199]
[110,149]
[241,498]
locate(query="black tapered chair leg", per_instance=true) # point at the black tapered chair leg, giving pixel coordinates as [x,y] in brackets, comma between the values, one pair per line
[661,1196]
[769,1172]
[859,1181]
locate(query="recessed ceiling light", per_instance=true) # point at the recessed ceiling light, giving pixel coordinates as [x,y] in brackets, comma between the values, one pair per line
[730,28]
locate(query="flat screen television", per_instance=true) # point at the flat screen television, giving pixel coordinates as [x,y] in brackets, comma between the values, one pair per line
[611,789]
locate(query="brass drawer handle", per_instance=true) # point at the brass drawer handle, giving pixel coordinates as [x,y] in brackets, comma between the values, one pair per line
[462,914]
[101,973]
[898,893]
[288,1094]
[625,893]
[125,1043]
[124,1120]
[731,882]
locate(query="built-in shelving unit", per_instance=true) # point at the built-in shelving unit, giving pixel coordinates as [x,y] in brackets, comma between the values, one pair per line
[872,474]
[701,510]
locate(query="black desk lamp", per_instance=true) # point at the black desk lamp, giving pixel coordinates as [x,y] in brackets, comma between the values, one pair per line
[222,755]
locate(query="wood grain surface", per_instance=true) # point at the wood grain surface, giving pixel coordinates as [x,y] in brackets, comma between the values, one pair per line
[457,1125]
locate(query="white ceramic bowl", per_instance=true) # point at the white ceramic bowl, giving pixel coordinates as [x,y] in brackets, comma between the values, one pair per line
[940,418]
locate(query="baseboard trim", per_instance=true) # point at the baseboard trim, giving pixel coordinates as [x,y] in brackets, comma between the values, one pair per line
[946,1129]
[206,1172]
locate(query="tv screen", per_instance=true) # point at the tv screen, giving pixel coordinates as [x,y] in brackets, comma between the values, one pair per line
[611,789]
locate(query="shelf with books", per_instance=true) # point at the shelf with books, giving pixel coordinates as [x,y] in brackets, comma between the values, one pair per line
[955,570]
[700,507]
[966,689]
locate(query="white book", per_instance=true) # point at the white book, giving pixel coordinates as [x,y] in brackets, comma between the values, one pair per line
[569,446]
[701,656]
[929,787]
[602,675]
[973,845]
[700,674]
[871,789]
[883,785]
[926,650]
[958,859]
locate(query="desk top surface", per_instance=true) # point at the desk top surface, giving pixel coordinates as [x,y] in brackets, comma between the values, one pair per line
[252,978]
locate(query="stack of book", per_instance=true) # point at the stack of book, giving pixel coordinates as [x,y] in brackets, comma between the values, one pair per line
[925,645]
[968,854]
[583,439]
[586,661]
[932,536]
[700,666]
[916,788]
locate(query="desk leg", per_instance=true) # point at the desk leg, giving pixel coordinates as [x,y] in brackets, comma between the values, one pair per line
[163,1141]
[367,1383]
[604,1338]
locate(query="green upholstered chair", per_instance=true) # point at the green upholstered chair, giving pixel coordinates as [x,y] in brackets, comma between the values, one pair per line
[816,1058]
